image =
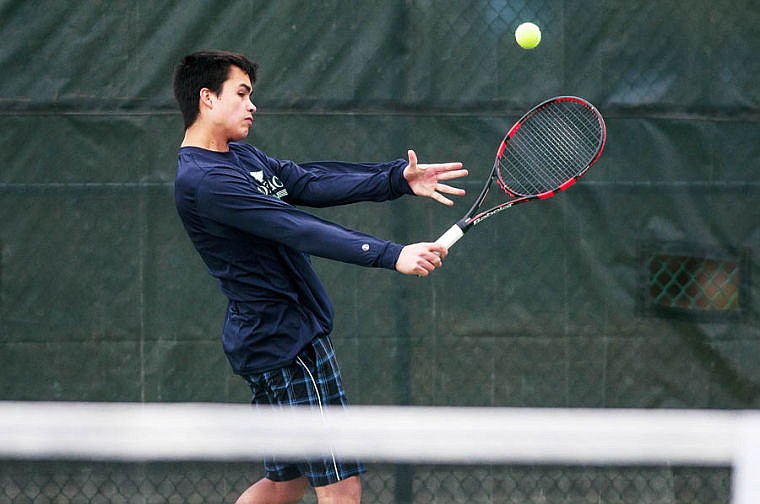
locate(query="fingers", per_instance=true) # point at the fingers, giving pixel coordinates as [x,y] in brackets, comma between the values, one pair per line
[425,179]
[440,251]
[440,198]
[443,188]
[421,258]
[429,262]
[445,169]
[442,171]
[453,173]
[450,190]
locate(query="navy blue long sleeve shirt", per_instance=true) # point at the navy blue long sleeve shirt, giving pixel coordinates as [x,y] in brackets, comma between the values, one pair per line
[241,211]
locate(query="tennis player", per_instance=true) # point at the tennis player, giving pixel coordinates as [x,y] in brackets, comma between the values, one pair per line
[242,211]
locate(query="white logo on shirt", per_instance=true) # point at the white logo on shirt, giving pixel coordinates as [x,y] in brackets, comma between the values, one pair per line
[270,187]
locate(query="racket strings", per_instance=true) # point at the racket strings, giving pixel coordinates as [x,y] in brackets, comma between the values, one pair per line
[552,146]
[562,135]
[550,154]
[549,151]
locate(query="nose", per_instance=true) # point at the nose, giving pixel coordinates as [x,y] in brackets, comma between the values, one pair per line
[251,105]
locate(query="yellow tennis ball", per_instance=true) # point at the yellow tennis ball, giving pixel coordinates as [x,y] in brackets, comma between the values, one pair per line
[528,35]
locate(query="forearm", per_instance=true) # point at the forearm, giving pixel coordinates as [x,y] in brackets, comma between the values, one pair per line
[322,238]
[336,183]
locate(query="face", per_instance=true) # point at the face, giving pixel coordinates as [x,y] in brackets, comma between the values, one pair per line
[232,110]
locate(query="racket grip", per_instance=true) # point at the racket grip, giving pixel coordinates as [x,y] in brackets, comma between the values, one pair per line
[451,236]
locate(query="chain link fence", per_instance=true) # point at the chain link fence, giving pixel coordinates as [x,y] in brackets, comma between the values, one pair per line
[681,281]
[212,483]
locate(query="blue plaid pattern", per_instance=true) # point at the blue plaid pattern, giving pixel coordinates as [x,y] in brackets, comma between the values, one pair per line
[312,379]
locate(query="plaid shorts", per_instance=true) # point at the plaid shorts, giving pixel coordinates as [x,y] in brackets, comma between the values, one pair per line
[312,379]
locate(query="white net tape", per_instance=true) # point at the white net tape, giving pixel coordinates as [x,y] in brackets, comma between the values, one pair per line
[108,431]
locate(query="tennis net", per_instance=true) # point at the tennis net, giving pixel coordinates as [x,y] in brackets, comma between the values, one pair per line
[149,452]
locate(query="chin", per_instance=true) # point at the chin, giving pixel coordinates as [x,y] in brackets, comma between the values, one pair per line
[238,138]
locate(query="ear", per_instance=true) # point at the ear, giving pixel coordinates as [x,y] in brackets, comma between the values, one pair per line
[205,98]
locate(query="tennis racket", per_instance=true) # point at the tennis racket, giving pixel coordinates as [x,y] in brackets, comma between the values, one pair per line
[544,153]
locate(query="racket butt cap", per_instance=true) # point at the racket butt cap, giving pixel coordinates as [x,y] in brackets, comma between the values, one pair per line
[451,236]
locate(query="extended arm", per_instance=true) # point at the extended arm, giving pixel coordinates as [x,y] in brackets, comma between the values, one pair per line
[226,198]
[329,183]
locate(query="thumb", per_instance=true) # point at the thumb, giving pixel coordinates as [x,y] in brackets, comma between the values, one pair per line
[412,158]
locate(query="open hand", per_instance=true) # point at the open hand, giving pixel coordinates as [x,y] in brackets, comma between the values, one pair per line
[425,179]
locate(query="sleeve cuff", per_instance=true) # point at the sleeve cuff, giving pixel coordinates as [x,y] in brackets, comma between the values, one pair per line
[399,185]
[389,257]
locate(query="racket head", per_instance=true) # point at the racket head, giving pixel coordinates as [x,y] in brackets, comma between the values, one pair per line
[550,148]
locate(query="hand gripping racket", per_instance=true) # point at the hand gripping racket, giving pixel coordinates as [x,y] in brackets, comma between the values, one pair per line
[544,153]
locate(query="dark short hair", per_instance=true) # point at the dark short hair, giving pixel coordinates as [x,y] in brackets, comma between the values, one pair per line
[205,69]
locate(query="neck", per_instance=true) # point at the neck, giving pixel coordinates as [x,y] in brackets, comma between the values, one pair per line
[197,137]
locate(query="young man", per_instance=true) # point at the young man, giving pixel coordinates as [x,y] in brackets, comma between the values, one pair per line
[241,211]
